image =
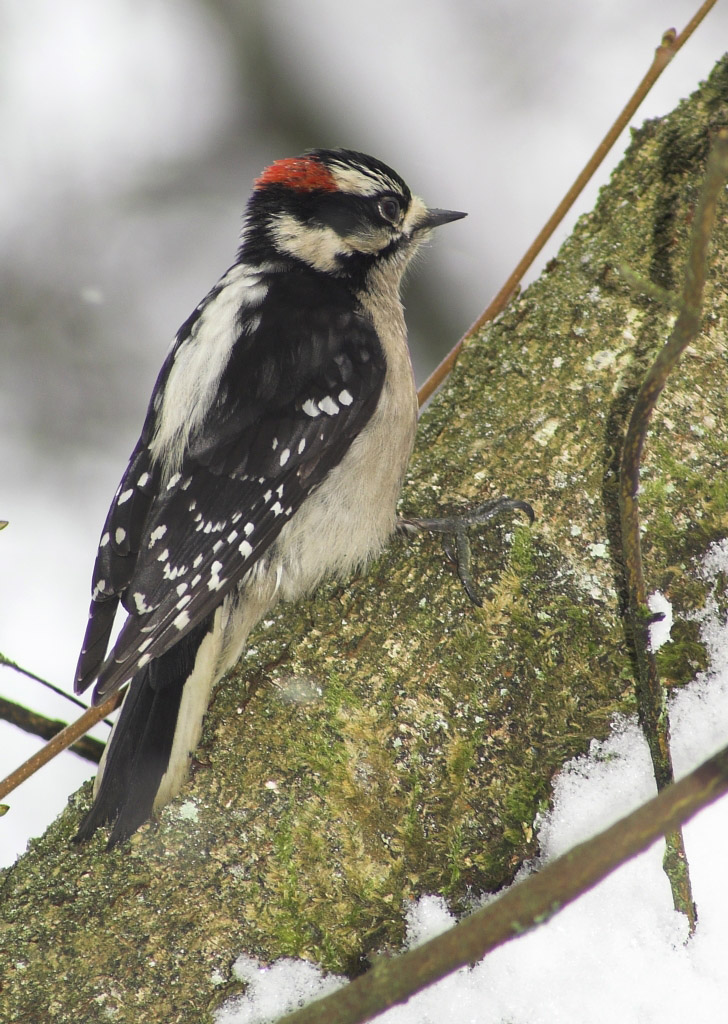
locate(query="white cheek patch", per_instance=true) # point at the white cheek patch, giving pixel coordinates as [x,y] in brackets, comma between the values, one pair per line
[320,247]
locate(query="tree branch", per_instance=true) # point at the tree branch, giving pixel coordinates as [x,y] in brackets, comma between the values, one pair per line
[47,728]
[9,663]
[669,46]
[523,907]
[65,738]
[650,693]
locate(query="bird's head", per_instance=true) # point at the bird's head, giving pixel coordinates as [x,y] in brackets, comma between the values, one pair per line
[337,211]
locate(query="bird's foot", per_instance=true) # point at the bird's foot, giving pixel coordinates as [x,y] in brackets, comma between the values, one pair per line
[455,542]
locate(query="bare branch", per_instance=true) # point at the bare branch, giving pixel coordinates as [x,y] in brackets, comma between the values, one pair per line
[47,728]
[524,906]
[60,742]
[650,693]
[9,663]
[669,46]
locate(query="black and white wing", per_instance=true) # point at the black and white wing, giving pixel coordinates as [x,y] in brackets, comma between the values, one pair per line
[285,407]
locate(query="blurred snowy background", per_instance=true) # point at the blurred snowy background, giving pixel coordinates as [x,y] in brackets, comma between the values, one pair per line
[131,132]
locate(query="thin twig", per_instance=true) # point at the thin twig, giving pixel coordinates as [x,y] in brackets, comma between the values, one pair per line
[60,742]
[47,728]
[650,693]
[9,663]
[664,53]
[523,907]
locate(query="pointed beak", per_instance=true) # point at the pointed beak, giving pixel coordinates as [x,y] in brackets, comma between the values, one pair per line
[434,218]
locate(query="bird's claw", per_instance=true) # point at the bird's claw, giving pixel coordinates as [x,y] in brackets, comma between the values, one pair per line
[455,542]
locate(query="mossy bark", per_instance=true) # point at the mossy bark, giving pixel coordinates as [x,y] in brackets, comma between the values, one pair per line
[388,738]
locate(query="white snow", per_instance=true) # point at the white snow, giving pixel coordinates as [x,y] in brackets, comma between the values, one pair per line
[659,630]
[620,953]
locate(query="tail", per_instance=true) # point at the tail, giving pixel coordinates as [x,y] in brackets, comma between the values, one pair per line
[146,760]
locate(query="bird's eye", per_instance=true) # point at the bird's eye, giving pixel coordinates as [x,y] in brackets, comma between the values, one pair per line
[390,209]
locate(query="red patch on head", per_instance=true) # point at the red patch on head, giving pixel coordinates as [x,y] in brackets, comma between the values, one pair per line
[302,173]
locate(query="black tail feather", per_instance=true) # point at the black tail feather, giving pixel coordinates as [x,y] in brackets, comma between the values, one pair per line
[141,744]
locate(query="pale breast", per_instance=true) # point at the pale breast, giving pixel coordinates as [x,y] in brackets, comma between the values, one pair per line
[352,514]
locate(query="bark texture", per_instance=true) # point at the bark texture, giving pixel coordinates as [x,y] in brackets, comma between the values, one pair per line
[388,738]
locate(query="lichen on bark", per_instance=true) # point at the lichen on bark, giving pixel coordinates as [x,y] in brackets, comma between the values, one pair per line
[388,738]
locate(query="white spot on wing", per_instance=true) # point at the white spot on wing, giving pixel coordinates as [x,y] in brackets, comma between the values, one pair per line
[245,549]
[120,536]
[310,408]
[285,456]
[345,398]
[215,581]
[125,495]
[171,573]
[328,405]
[156,535]
[180,622]
[140,603]
[173,480]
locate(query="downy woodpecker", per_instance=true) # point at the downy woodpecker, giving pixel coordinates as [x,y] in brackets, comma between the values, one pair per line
[272,455]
